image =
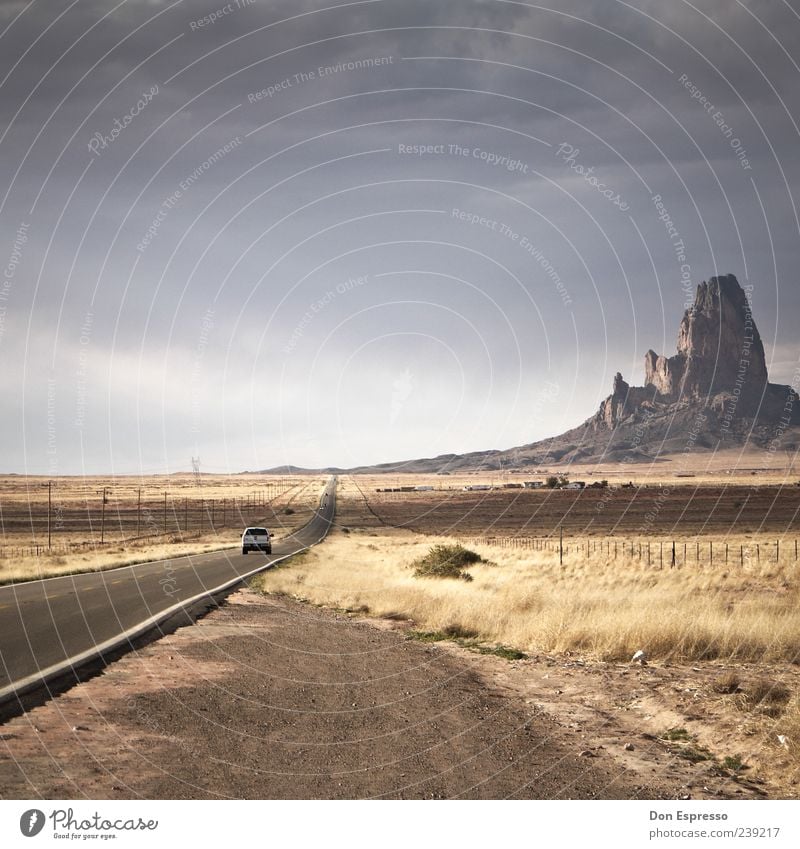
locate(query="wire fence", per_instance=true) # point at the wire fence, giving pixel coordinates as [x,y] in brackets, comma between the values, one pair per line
[128,518]
[665,552]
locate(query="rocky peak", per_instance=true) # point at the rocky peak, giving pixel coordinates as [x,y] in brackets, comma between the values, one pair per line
[719,348]
[620,387]
[719,363]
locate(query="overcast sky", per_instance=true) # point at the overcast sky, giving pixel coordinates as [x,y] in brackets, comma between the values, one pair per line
[345,233]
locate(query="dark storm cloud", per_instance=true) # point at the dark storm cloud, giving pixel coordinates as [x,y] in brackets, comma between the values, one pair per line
[208,247]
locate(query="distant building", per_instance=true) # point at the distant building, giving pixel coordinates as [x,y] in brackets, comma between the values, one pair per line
[575,485]
[533,484]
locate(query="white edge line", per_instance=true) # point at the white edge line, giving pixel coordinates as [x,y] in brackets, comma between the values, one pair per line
[32,682]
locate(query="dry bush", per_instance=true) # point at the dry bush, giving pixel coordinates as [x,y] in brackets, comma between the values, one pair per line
[766,697]
[444,561]
[727,683]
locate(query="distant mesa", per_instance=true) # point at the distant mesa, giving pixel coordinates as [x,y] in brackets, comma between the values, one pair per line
[713,393]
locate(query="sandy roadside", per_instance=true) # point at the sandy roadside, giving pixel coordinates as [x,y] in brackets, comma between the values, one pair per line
[270,698]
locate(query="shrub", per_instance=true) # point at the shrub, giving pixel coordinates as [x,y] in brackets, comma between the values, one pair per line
[727,683]
[674,734]
[446,561]
[766,697]
[733,763]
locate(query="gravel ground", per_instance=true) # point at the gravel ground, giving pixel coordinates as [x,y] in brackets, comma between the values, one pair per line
[270,698]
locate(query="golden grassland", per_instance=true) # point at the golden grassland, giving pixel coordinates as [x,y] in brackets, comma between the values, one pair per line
[599,609]
[598,606]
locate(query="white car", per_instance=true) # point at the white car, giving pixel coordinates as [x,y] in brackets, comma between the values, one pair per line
[256,539]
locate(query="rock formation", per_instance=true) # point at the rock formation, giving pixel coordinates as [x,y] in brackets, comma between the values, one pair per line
[719,365]
[713,393]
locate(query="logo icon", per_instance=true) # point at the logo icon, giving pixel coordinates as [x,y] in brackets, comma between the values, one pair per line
[31,822]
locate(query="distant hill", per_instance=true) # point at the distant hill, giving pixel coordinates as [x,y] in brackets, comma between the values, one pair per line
[713,393]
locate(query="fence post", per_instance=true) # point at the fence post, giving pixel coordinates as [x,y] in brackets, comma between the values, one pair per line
[673,553]
[103,519]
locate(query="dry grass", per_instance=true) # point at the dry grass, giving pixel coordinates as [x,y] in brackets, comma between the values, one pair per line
[49,566]
[289,511]
[599,607]
[788,727]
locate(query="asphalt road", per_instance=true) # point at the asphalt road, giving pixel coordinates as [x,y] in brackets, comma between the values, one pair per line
[47,622]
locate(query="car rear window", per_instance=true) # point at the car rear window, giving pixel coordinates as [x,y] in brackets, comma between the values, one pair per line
[256,531]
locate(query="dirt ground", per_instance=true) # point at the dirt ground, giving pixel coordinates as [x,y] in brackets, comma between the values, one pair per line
[270,698]
[672,510]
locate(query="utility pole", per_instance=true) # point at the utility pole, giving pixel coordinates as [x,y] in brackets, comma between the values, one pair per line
[560,545]
[103,519]
[165,512]
[139,514]
[49,510]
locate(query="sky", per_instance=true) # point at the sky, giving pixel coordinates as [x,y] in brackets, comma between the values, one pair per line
[340,233]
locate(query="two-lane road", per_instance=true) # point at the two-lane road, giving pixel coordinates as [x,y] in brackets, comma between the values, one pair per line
[49,626]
